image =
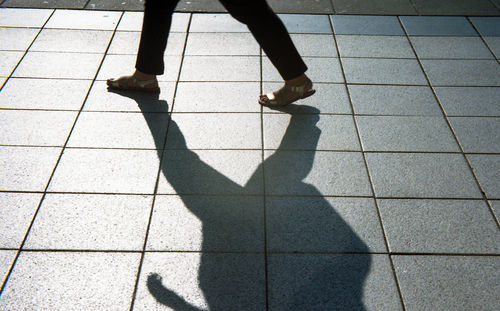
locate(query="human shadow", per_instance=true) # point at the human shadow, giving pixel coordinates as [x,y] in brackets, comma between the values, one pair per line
[315,260]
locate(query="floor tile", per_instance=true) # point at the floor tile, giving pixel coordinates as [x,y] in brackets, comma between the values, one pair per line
[106,171]
[494,44]
[421,175]
[380,133]
[207,223]
[455,7]
[203,6]
[15,217]
[451,47]
[26,169]
[487,168]
[59,65]
[220,68]
[463,72]
[437,26]
[71,281]
[470,101]
[439,226]
[80,19]
[79,41]
[127,42]
[374,46]
[119,130]
[46,128]
[66,4]
[70,221]
[44,94]
[202,282]
[301,23]
[316,45]
[487,26]
[24,17]
[321,69]
[304,281]
[16,39]
[306,224]
[132,21]
[6,260]
[383,71]
[9,61]
[389,7]
[477,134]
[294,6]
[329,98]
[129,5]
[216,23]
[496,207]
[316,173]
[394,100]
[448,283]
[366,25]
[215,131]
[218,43]
[217,97]
[186,172]
[300,132]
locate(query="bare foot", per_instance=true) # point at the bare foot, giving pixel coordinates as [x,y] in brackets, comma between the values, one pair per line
[139,81]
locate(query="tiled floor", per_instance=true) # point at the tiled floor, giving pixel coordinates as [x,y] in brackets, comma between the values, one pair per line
[380,192]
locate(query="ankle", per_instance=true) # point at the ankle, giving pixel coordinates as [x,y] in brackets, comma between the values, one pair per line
[143,76]
[297,81]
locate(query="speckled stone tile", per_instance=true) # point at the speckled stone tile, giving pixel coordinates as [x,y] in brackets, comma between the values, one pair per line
[487,168]
[495,204]
[24,17]
[220,68]
[66,4]
[80,41]
[216,43]
[421,175]
[71,281]
[295,6]
[200,6]
[25,168]
[302,23]
[383,71]
[15,216]
[470,101]
[9,61]
[438,26]
[374,46]
[321,69]
[462,72]
[366,25]
[127,42]
[6,261]
[316,45]
[207,223]
[451,48]
[494,44]
[439,226]
[216,23]
[128,5]
[80,19]
[132,21]
[487,26]
[16,39]
[448,282]
[304,281]
[455,7]
[477,134]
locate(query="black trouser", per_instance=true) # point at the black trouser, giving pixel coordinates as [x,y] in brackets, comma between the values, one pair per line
[264,24]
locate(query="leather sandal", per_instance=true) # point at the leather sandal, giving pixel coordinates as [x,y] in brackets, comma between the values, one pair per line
[130,83]
[287,95]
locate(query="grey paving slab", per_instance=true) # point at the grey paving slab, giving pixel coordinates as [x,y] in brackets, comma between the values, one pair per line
[207,281]
[463,72]
[217,43]
[80,19]
[119,130]
[234,172]
[294,132]
[24,17]
[78,41]
[477,134]
[200,6]
[402,133]
[132,21]
[217,97]
[328,282]
[16,39]
[487,168]
[394,100]
[380,7]
[119,65]
[439,226]
[207,223]
[9,61]
[366,25]
[319,45]
[65,4]
[321,69]
[487,26]
[302,23]
[448,283]
[220,68]
[16,214]
[421,175]
[35,128]
[307,224]
[438,26]
[71,221]
[296,6]
[451,48]
[383,71]
[71,281]
[494,45]
[6,261]
[454,7]
[329,98]
[106,171]
[25,168]
[127,42]
[496,208]
[59,65]
[470,101]
[215,131]
[216,23]
[374,46]
[316,173]
[129,5]
[44,94]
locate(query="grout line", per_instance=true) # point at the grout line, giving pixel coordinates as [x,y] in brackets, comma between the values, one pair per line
[483,39]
